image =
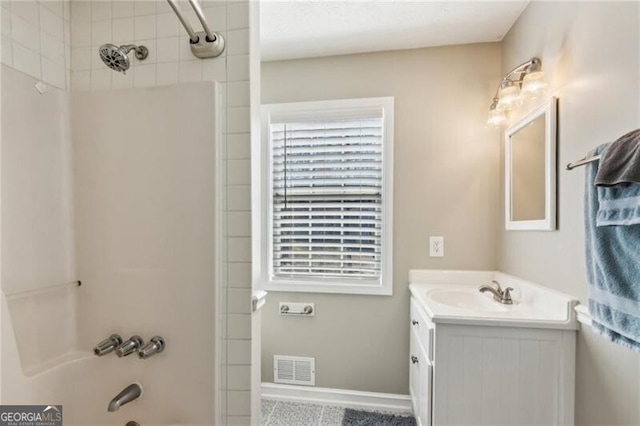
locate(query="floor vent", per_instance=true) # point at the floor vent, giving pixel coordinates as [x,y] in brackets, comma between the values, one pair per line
[294,370]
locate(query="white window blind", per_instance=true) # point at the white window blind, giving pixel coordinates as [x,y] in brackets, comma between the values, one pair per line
[327,198]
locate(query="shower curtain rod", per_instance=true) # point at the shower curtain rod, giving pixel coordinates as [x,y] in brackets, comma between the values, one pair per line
[25,293]
[210,36]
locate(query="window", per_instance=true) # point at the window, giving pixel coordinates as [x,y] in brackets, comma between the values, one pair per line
[326,203]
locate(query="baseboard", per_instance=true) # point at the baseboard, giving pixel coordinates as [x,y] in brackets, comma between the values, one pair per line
[346,398]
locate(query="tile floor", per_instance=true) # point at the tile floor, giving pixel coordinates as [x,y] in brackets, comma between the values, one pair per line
[286,413]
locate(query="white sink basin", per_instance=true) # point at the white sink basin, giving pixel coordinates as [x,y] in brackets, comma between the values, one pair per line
[453,297]
[466,299]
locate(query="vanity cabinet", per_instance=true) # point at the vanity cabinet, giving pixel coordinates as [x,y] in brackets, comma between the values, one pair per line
[487,374]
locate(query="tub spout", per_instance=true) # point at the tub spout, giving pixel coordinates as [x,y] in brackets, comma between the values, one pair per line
[128,394]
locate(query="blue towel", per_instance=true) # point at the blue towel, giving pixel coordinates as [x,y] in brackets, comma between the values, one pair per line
[612,231]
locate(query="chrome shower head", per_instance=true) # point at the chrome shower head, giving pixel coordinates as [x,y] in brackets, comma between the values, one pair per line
[116,57]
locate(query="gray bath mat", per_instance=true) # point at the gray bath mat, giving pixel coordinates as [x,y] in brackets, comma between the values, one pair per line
[368,418]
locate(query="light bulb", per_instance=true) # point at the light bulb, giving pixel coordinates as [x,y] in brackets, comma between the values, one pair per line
[534,84]
[508,95]
[496,117]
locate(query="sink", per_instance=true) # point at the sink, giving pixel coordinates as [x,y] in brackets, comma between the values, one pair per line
[465,299]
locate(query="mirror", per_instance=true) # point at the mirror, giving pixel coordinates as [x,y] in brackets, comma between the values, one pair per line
[530,171]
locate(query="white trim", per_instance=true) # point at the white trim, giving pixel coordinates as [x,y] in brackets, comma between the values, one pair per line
[258,300]
[547,110]
[262,194]
[583,315]
[342,397]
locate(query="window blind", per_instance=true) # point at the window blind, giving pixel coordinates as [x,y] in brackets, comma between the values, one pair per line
[327,198]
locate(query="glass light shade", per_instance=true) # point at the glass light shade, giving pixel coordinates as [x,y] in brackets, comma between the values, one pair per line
[534,84]
[496,117]
[508,96]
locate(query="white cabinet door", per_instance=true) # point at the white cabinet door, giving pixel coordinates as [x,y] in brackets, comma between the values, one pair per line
[420,373]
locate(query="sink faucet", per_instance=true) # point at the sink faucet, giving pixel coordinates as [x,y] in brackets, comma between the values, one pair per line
[499,295]
[128,394]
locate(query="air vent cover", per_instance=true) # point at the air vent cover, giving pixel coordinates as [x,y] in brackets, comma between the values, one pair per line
[294,370]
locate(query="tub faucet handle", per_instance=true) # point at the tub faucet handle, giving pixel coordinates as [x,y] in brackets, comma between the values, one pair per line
[108,345]
[130,346]
[155,346]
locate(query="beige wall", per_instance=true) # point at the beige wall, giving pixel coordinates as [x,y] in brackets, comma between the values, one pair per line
[445,183]
[590,53]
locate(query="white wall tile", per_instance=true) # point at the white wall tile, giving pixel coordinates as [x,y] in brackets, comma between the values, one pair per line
[239,146]
[122,81]
[239,300]
[6,22]
[51,23]
[26,60]
[167,25]
[239,249]
[190,71]
[239,377]
[7,51]
[81,11]
[101,10]
[238,93]
[80,33]
[144,27]
[238,68]
[214,69]
[24,33]
[238,16]
[239,224]
[239,326]
[239,198]
[238,119]
[122,9]
[238,402]
[167,74]
[81,80]
[81,58]
[238,42]
[168,49]
[144,7]
[185,50]
[122,29]
[144,76]
[27,10]
[54,6]
[239,352]
[101,79]
[239,172]
[101,33]
[52,49]
[216,18]
[54,73]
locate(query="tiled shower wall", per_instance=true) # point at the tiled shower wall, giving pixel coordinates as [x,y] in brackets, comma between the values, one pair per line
[36,39]
[58,42]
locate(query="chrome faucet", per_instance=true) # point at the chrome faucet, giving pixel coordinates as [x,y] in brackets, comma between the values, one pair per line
[155,346]
[128,394]
[108,345]
[499,295]
[130,346]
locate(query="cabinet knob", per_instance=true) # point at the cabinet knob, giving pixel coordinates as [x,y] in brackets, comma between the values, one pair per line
[414,359]
[414,322]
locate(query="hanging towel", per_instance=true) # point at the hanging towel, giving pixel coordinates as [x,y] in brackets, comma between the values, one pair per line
[620,163]
[613,258]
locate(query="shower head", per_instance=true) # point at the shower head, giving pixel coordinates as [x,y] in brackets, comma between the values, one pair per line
[116,57]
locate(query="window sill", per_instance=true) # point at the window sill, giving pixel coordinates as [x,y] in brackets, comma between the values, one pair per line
[326,288]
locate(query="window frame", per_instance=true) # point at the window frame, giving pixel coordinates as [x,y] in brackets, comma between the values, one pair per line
[263,201]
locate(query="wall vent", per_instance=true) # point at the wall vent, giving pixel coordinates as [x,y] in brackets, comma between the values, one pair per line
[294,370]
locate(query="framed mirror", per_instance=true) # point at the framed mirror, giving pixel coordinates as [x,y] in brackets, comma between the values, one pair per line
[530,171]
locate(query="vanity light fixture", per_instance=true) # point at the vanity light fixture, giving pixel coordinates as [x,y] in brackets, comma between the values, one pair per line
[524,81]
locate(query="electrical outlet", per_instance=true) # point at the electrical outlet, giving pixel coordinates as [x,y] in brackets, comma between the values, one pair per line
[436,246]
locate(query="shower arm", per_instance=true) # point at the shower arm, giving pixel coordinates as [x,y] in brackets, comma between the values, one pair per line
[196,7]
[193,38]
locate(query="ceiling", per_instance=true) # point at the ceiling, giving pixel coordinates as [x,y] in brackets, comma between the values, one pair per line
[305,29]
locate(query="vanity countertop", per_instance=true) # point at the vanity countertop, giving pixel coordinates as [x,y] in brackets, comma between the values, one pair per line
[453,297]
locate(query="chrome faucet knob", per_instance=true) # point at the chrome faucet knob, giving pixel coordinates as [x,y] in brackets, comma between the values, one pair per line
[130,346]
[108,345]
[497,285]
[506,296]
[155,346]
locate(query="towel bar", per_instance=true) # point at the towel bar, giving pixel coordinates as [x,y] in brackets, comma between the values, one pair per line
[582,162]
